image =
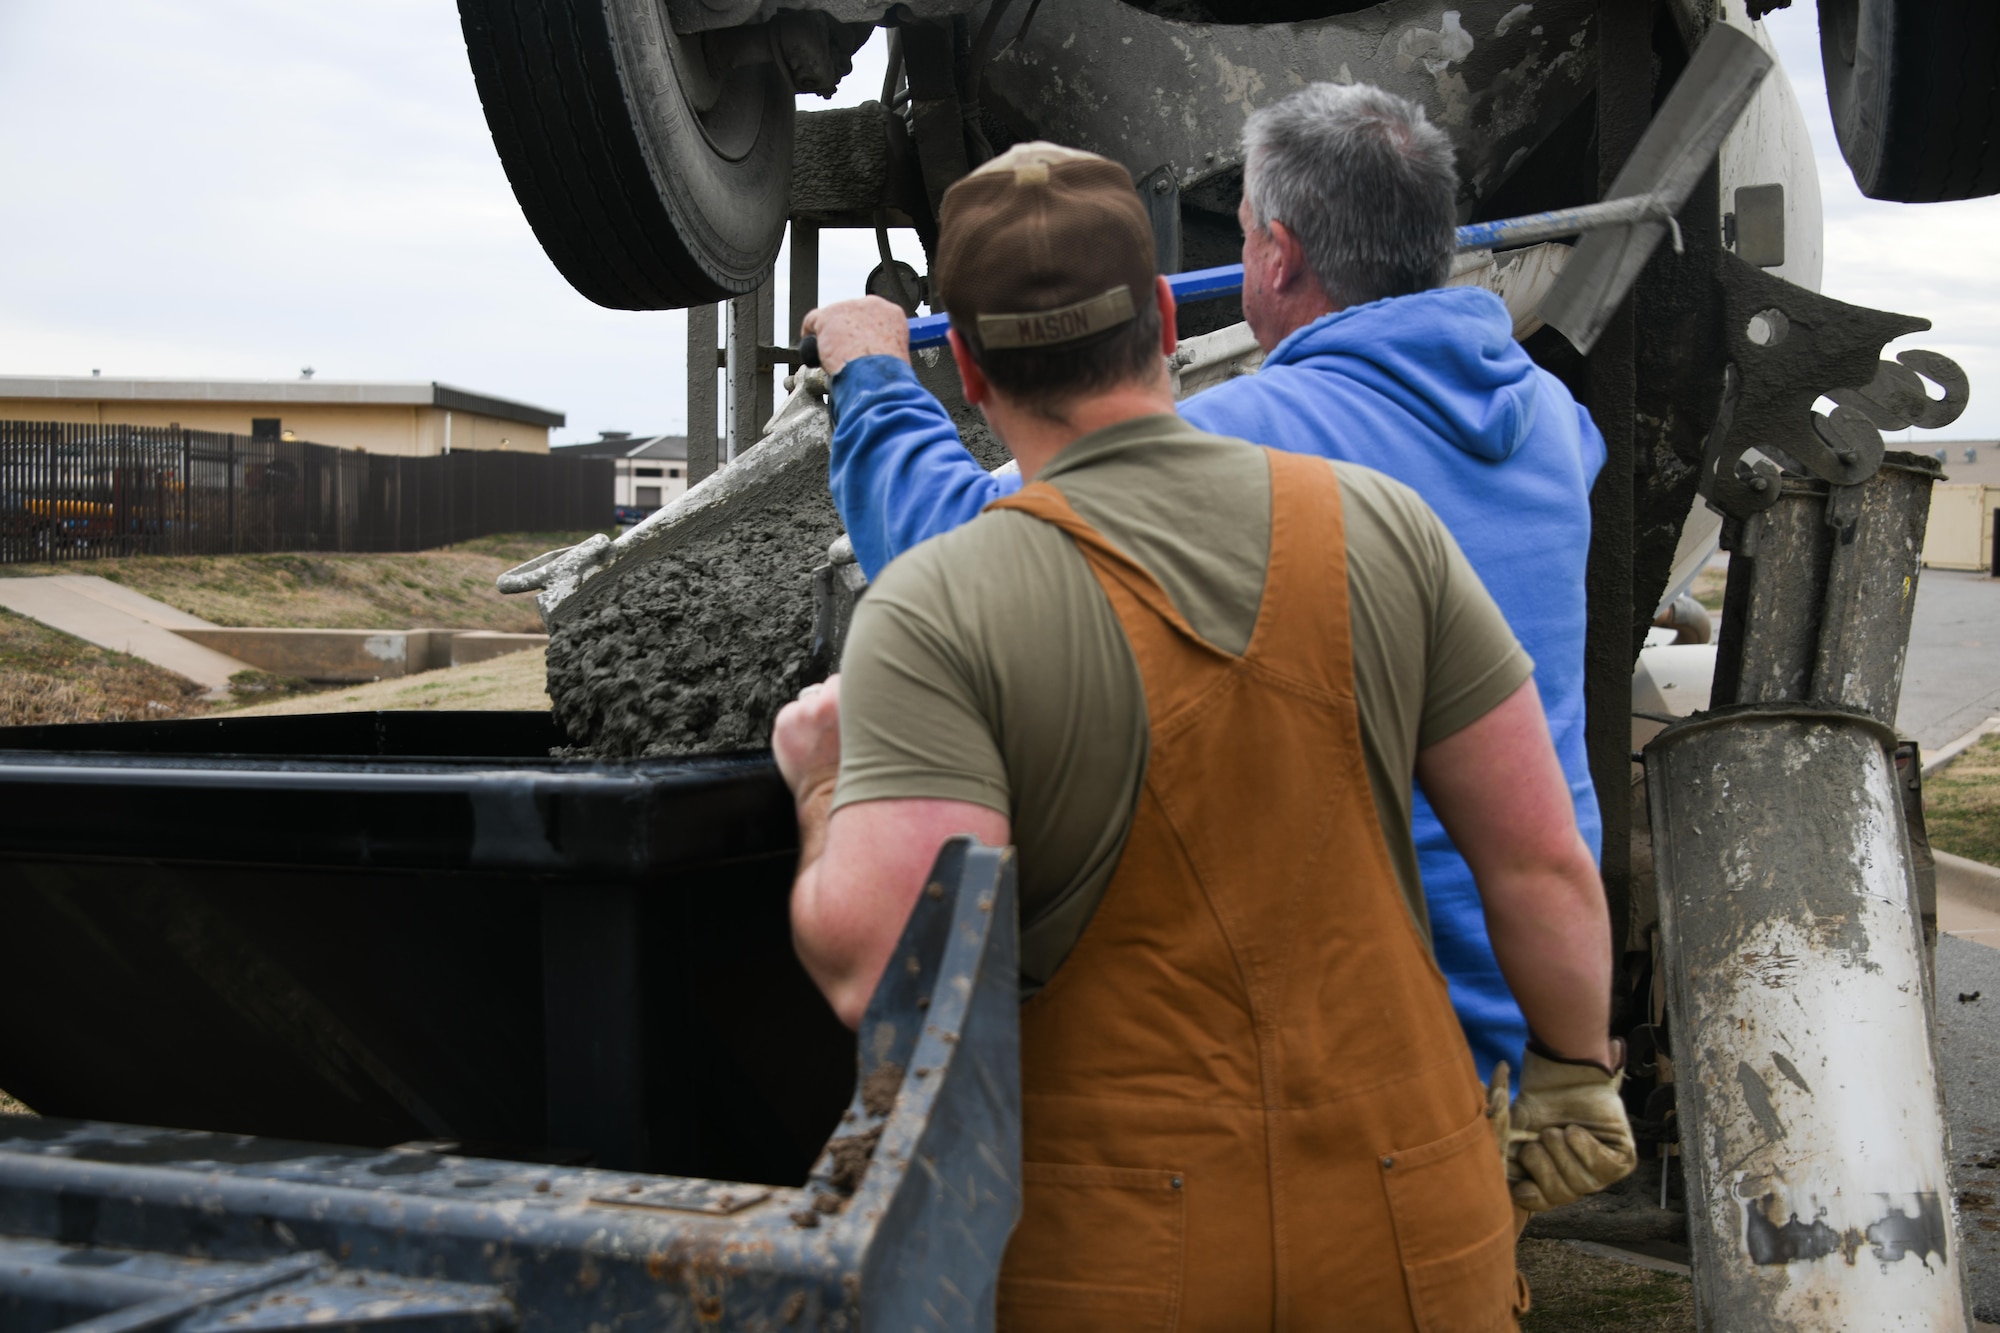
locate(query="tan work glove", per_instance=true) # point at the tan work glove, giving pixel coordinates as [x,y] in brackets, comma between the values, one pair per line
[1567,1133]
[1497,1098]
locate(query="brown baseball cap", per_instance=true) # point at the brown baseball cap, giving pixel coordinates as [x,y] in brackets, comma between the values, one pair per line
[1043,246]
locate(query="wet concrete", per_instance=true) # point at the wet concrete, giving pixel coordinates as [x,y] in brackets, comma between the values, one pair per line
[692,644]
[695,649]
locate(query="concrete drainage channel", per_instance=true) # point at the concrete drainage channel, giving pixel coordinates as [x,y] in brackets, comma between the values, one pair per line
[355,656]
[115,617]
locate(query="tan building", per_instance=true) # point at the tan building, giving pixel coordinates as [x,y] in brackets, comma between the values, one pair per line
[382,417]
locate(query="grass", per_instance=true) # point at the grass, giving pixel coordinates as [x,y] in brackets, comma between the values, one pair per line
[1962,804]
[1575,1292]
[450,588]
[1709,584]
[10,1106]
[47,677]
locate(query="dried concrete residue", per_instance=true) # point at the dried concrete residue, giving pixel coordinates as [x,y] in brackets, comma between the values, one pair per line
[851,1155]
[879,1089]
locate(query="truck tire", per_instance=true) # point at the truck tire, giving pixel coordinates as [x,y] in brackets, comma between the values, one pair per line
[1914,87]
[651,183]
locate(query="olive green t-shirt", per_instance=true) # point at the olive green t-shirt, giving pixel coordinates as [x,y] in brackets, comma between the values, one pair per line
[987,665]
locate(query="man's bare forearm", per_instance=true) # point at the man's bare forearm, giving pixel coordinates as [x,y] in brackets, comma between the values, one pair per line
[860,870]
[1498,789]
[1552,939]
[815,808]
[859,874]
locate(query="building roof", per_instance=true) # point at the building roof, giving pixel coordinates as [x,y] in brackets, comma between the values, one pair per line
[393,393]
[622,444]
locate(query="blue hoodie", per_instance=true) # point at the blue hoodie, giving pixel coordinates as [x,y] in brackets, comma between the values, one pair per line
[1431,389]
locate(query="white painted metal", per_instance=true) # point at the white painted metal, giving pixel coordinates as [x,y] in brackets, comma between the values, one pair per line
[1208,359]
[1670,681]
[1520,278]
[1770,146]
[1701,538]
[1813,1121]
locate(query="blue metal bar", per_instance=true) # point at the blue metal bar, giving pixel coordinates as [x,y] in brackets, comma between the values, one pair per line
[1205,284]
[1536,227]
[929,330]
[1200,285]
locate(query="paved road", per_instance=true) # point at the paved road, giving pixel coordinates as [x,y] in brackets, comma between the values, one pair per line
[1950,685]
[1969,1048]
[1952,681]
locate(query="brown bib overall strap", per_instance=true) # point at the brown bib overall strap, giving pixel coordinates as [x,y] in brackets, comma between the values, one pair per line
[1246,1101]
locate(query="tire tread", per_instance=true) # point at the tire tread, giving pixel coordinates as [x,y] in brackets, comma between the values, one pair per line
[555,107]
[1931,132]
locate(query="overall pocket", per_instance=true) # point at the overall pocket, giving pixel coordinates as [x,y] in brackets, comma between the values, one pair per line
[1097,1247]
[1454,1231]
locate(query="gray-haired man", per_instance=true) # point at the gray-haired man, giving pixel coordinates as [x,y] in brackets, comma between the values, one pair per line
[1348,214]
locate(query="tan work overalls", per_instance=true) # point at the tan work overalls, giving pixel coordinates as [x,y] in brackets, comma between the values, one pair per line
[1246,1101]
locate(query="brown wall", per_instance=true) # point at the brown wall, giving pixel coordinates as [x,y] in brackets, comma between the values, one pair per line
[378,428]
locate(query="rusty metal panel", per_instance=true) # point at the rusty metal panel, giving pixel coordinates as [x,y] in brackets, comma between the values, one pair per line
[1806,1060]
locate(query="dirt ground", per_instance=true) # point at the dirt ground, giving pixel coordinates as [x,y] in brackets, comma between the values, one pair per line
[1575,1292]
[450,588]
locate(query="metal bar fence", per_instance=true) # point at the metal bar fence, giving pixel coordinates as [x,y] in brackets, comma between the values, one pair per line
[72,491]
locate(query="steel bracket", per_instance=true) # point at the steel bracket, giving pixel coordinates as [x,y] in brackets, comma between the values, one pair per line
[1789,347]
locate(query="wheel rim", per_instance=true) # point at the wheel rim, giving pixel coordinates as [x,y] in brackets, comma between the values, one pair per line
[728,108]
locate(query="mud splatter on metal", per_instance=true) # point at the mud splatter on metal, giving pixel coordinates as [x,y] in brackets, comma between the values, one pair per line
[1920,1233]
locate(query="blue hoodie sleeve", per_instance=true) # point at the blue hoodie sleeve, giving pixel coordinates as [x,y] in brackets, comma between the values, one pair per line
[899,473]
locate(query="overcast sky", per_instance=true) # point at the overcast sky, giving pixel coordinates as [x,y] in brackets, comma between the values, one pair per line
[246,187]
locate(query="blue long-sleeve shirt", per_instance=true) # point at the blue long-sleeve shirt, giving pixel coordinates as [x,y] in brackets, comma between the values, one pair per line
[1431,389]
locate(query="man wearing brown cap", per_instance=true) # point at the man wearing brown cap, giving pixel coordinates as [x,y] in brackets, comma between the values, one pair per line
[1191,681]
